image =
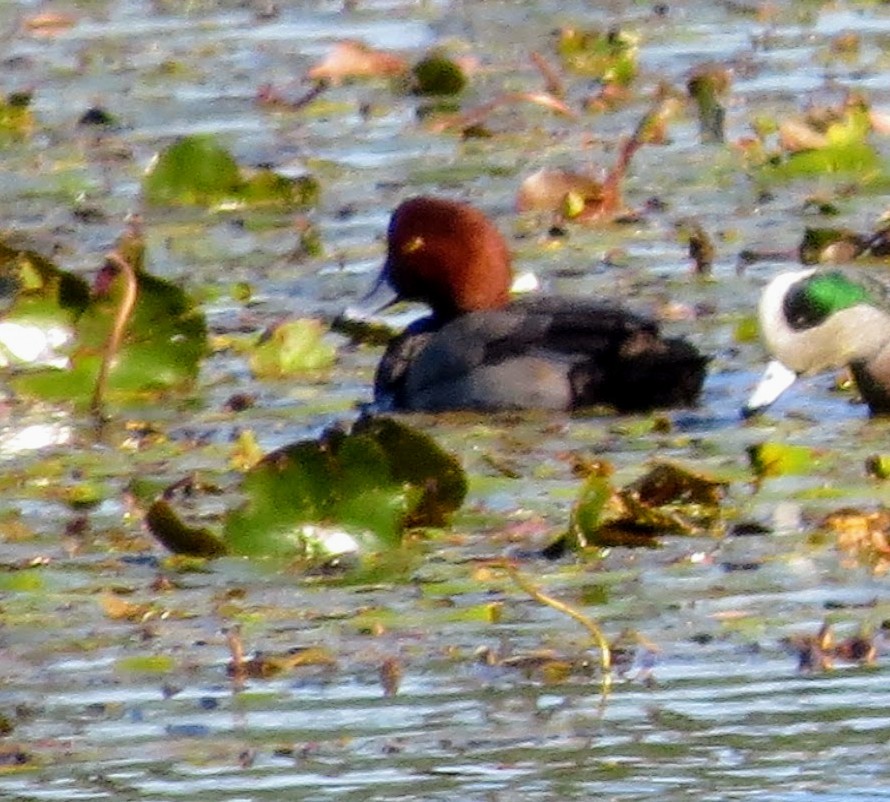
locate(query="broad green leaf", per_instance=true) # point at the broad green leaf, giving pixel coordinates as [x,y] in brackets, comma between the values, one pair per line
[198,171]
[163,344]
[41,304]
[292,348]
[779,459]
[341,494]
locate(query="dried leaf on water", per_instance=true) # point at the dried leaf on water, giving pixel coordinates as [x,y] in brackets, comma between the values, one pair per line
[863,536]
[668,499]
[352,59]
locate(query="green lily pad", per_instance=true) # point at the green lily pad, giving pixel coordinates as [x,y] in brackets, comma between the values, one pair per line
[42,304]
[293,348]
[438,75]
[780,459]
[198,171]
[319,499]
[162,347]
[846,152]
[609,56]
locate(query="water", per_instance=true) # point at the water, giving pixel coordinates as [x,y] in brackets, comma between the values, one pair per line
[714,706]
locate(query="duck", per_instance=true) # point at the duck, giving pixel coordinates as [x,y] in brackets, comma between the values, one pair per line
[814,320]
[480,350]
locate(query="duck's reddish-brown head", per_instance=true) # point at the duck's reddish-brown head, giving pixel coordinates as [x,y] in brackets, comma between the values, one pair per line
[447,254]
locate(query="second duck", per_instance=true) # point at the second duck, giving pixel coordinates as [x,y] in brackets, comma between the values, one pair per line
[479,350]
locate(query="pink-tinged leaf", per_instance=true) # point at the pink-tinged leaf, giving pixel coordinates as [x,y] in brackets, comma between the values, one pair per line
[351,59]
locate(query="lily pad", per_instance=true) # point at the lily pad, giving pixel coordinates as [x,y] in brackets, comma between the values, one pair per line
[318,499]
[293,348]
[607,55]
[163,343]
[843,150]
[42,304]
[780,459]
[199,171]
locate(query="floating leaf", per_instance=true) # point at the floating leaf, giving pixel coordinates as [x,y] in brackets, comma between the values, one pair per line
[146,664]
[293,348]
[844,150]
[350,60]
[551,189]
[708,86]
[343,493]
[830,245]
[609,56]
[878,466]
[16,116]
[164,341]
[779,459]
[198,171]
[438,75]
[180,538]
[865,536]
[42,304]
[667,499]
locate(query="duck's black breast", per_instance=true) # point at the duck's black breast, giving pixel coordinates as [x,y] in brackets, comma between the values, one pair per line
[546,353]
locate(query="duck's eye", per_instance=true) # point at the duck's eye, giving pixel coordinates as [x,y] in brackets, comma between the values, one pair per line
[413,245]
[801,311]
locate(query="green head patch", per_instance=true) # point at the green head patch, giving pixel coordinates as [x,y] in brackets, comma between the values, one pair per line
[814,299]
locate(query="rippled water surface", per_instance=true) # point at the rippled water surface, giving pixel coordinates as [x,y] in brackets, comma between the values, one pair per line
[137,704]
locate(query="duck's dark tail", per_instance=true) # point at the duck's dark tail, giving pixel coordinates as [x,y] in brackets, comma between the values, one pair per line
[647,373]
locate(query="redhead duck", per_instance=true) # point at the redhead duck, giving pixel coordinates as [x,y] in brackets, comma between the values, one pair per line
[813,320]
[481,351]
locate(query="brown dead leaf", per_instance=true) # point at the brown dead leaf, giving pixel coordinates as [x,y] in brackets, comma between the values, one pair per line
[864,536]
[391,676]
[796,135]
[50,23]
[118,609]
[352,59]
[880,121]
[478,114]
[548,189]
